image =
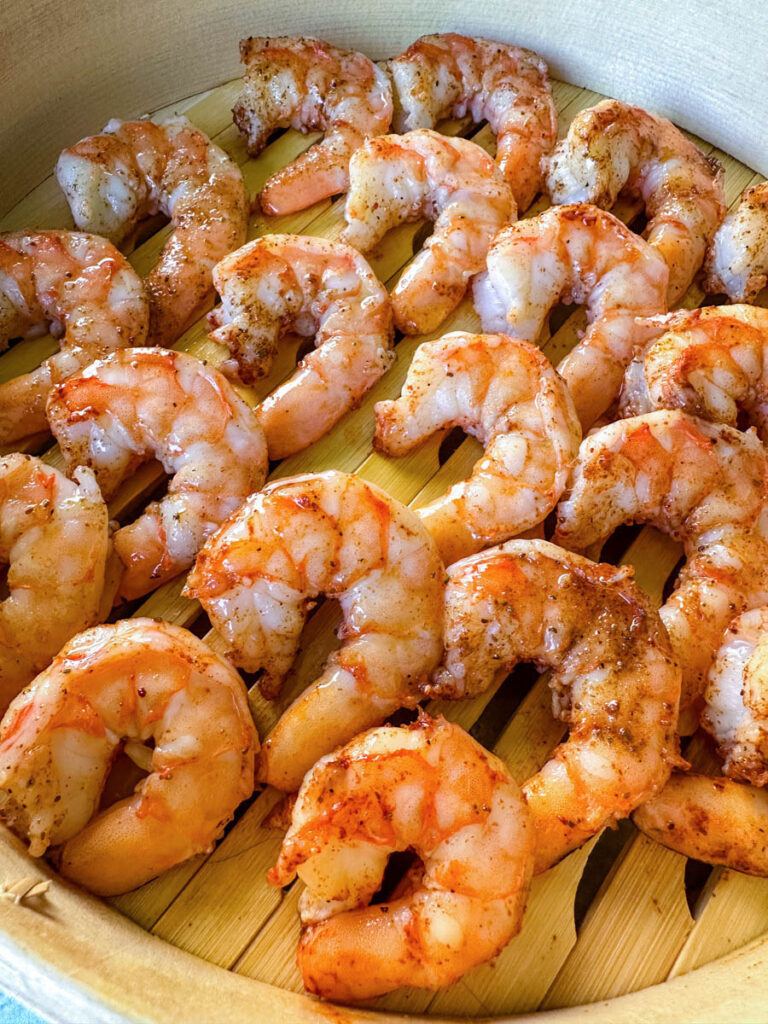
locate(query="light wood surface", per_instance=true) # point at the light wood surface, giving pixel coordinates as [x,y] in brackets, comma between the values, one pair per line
[608,922]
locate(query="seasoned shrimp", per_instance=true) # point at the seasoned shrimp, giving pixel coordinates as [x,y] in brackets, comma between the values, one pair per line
[258,577]
[718,821]
[504,392]
[314,287]
[723,821]
[309,85]
[575,254]
[135,169]
[711,362]
[615,148]
[140,403]
[430,788]
[451,75]
[54,539]
[134,681]
[614,678]
[736,698]
[453,182]
[702,484]
[77,286]
[737,260]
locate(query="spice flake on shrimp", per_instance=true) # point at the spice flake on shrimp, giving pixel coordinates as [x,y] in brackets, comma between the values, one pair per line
[722,820]
[615,148]
[136,169]
[451,181]
[450,75]
[309,85]
[581,254]
[505,392]
[431,788]
[261,573]
[315,287]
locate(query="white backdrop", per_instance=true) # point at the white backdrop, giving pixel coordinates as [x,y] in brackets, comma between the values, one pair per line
[67,66]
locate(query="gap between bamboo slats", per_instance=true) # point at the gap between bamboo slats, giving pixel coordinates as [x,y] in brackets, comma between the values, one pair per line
[220,907]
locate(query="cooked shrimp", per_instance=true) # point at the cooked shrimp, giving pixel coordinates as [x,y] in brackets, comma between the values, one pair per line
[736,698]
[614,679]
[723,821]
[134,681]
[504,392]
[54,539]
[614,148]
[309,85]
[259,576]
[711,362]
[431,788]
[702,484]
[141,403]
[575,254]
[718,821]
[451,75]
[737,260]
[314,287]
[453,182]
[136,169]
[77,286]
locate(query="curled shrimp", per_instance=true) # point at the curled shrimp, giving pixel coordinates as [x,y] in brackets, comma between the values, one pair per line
[575,254]
[54,539]
[450,75]
[614,679]
[334,534]
[504,392]
[705,486]
[711,362]
[737,259]
[136,169]
[134,681]
[431,788]
[723,821]
[451,181]
[615,148]
[314,287]
[81,288]
[140,403]
[309,85]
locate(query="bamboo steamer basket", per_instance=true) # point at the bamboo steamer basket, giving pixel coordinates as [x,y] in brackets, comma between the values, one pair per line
[622,930]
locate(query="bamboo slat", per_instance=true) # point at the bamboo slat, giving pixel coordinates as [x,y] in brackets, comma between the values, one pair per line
[638,929]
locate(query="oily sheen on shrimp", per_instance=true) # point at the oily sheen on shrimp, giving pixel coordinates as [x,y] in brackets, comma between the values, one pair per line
[575,253]
[505,392]
[309,85]
[136,169]
[317,288]
[615,148]
[136,680]
[702,484]
[80,288]
[723,820]
[711,362]
[449,75]
[333,534]
[139,403]
[54,538]
[614,679]
[430,788]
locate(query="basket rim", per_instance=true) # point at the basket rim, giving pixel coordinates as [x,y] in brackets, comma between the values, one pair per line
[53,956]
